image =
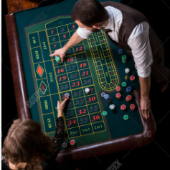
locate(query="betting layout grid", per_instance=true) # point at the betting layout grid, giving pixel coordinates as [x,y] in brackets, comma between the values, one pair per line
[83,116]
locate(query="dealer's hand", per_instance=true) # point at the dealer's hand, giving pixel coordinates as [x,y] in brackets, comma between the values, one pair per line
[145,107]
[60,52]
[61,106]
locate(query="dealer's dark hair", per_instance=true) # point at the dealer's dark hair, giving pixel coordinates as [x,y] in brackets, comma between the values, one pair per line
[89,12]
[25,142]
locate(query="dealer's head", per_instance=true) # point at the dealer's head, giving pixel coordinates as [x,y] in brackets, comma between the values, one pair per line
[89,14]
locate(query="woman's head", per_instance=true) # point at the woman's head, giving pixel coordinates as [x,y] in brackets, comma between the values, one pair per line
[25,142]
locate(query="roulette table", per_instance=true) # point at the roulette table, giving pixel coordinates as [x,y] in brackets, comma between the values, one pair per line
[39,81]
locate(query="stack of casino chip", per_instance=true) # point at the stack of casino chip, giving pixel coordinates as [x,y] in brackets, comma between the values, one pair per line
[128,89]
[125,117]
[132,107]
[123,107]
[104,113]
[107,98]
[118,89]
[118,96]
[126,77]
[124,58]
[120,51]
[127,70]
[124,84]
[132,78]
[102,94]
[58,60]
[64,145]
[72,142]
[112,106]
[128,98]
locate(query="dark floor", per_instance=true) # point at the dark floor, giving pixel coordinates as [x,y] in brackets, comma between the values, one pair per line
[156,154]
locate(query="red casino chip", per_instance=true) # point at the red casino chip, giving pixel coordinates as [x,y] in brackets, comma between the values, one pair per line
[118,89]
[132,78]
[118,96]
[123,107]
[128,98]
[132,107]
[72,142]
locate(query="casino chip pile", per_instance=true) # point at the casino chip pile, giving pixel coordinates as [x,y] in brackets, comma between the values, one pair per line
[132,107]
[64,145]
[124,58]
[127,70]
[72,142]
[124,84]
[118,95]
[112,106]
[132,78]
[104,113]
[125,117]
[120,51]
[107,97]
[128,89]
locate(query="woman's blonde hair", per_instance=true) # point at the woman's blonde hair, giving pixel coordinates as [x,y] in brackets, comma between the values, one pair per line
[25,142]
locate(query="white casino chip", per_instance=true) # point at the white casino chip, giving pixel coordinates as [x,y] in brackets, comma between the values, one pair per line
[67,94]
[102,94]
[87,90]
[112,107]
[127,70]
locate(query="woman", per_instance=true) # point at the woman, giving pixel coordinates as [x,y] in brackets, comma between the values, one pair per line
[26,147]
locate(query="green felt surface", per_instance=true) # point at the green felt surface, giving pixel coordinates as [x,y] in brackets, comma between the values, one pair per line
[93,63]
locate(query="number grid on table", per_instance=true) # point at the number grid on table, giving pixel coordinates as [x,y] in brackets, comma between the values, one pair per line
[81,63]
[68,79]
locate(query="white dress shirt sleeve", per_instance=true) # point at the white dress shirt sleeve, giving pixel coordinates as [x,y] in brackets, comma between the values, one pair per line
[141,49]
[83,32]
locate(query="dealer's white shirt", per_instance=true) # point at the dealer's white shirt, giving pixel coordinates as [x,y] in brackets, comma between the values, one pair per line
[138,40]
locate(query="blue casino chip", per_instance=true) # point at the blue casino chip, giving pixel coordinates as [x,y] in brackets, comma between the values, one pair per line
[106,96]
[128,88]
[120,51]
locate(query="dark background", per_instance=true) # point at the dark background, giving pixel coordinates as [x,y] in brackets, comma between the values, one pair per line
[154,155]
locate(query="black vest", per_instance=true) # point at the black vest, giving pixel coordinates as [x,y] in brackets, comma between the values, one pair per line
[130,19]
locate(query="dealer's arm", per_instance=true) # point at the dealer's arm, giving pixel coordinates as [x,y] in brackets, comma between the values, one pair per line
[142,54]
[145,101]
